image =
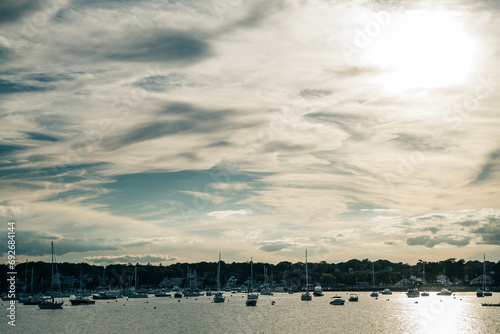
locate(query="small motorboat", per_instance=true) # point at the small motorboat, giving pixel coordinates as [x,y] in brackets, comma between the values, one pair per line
[353,297]
[337,301]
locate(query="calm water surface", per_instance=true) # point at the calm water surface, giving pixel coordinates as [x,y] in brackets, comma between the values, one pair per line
[394,313]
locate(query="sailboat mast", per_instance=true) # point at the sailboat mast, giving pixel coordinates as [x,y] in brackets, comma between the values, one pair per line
[251,273]
[218,275]
[423,278]
[52,263]
[373,275]
[26,278]
[32,281]
[52,267]
[307,276]
[484,272]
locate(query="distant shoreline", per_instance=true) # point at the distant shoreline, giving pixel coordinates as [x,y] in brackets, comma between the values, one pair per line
[428,288]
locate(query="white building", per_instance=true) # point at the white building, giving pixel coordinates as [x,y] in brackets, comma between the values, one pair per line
[442,279]
[403,282]
[479,280]
[231,282]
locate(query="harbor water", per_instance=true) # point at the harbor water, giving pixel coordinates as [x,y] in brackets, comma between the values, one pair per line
[396,313]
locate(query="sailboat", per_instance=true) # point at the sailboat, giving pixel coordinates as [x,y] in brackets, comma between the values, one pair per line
[191,289]
[266,288]
[485,292]
[51,303]
[80,299]
[218,298]
[374,293]
[306,295]
[137,294]
[32,299]
[251,297]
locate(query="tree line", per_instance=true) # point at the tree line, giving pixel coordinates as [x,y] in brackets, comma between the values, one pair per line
[352,272]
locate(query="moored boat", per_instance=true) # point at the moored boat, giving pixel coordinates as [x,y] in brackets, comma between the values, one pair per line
[353,297]
[318,291]
[306,296]
[251,297]
[412,293]
[50,302]
[105,295]
[337,301]
[162,294]
[374,293]
[444,292]
[218,297]
[138,294]
[32,300]
[485,292]
[266,291]
[82,300]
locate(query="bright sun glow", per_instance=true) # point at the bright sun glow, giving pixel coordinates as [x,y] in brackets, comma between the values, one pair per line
[423,49]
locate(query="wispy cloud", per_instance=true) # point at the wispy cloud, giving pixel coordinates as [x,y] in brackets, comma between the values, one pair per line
[228,213]
[130,258]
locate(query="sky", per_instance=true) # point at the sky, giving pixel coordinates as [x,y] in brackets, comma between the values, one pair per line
[170,131]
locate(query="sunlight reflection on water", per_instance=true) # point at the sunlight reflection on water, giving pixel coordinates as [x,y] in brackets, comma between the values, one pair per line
[388,314]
